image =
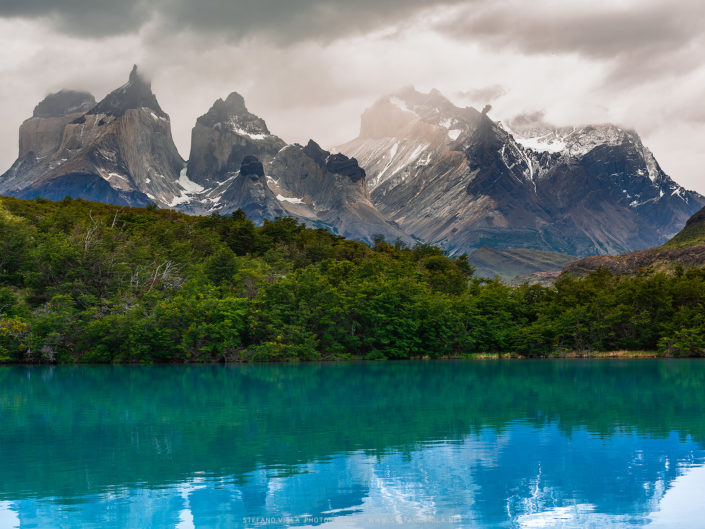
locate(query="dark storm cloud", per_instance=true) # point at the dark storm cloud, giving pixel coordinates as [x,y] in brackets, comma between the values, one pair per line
[598,31]
[82,17]
[283,21]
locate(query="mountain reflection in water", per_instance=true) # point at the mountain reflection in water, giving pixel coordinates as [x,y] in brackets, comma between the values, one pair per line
[430,444]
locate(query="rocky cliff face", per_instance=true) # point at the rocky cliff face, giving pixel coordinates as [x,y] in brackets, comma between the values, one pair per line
[249,192]
[328,190]
[224,136]
[41,136]
[454,177]
[307,183]
[117,151]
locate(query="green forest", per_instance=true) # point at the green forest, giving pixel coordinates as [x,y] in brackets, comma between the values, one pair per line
[95,283]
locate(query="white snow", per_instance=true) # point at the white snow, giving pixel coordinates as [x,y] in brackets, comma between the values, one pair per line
[542,144]
[189,187]
[446,123]
[237,129]
[416,152]
[187,184]
[651,165]
[178,200]
[393,151]
[116,175]
[454,133]
[292,200]
[154,116]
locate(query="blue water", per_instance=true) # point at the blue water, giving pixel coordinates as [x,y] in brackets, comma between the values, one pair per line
[415,444]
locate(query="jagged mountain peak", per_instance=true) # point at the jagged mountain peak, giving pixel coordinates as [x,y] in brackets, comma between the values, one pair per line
[64,102]
[235,102]
[534,132]
[232,114]
[224,136]
[316,153]
[400,113]
[135,76]
[135,94]
[455,177]
[340,164]
[334,163]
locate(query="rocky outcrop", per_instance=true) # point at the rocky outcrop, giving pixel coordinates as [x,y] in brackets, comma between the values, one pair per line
[119,151]
[308,183]
[41,136]
[452,176]
[248,191]
[328,190]
[223,137]
[135,94]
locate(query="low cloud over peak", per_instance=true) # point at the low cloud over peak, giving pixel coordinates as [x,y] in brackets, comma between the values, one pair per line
[310,67]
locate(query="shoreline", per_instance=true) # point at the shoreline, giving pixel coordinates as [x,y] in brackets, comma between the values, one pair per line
[572,355]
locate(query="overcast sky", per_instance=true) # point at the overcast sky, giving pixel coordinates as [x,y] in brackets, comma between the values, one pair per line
[310,67]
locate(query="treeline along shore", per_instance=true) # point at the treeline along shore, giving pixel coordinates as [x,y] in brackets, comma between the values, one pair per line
[86,282]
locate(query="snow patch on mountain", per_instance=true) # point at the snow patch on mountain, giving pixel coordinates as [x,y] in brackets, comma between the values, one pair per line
[291,200]
[237,129]
[188,185]
[545,143]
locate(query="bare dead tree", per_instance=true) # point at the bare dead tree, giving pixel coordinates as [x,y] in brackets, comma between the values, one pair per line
[90,233]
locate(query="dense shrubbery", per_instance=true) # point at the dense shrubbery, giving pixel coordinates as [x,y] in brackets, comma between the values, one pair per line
[88,282]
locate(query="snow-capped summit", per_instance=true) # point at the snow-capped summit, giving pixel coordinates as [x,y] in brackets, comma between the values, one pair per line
[454,177]
[232,114]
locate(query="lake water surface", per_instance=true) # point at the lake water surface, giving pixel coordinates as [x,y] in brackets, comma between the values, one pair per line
[525,444]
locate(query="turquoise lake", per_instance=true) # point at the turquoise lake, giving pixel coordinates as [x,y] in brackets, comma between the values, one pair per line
[526,444]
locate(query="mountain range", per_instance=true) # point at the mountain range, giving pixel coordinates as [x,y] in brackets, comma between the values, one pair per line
[453,177]
[421,170]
